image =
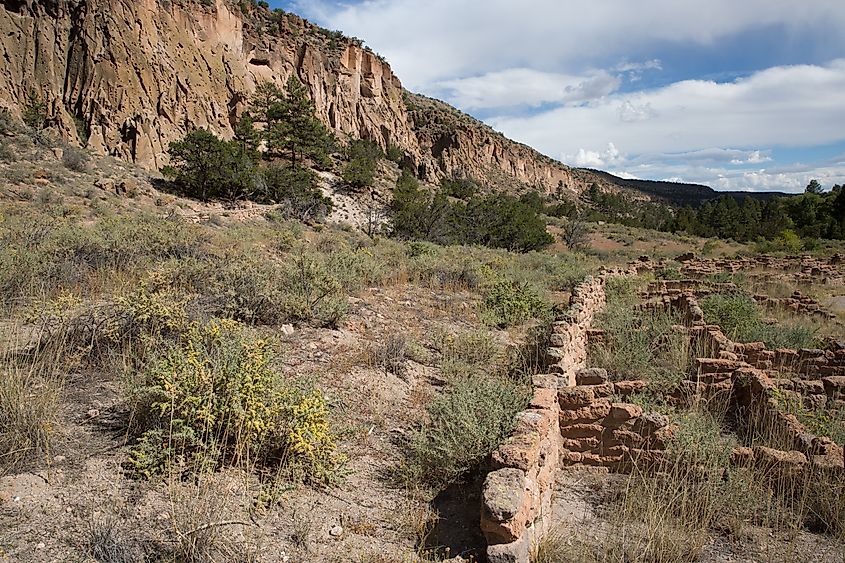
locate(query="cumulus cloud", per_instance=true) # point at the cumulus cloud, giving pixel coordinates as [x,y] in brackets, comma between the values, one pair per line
[526,87]
[428,41]
[597,159]
[780,106]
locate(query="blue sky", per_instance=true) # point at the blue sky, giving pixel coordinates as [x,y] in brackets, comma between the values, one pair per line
[746,95]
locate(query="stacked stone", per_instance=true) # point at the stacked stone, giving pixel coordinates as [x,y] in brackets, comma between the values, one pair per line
[754,389]
[714,376]
[797,303]
[597,431]
[569,339]
[517,494]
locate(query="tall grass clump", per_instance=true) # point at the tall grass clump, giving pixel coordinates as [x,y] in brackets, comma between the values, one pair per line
[668,515]
[740,318]
[29,398]
[215,399]
[642,344]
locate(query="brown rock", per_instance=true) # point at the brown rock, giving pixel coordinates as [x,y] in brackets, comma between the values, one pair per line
[579,444]
[603,391]
[590,413]
[742,457]
[578,431]
[544,398]
[570,397]
[626,388]
[621,413]
[504,505]
[778,464]
[591,376]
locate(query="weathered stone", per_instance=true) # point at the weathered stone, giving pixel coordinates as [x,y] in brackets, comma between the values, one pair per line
[621,413]
[742,457]
[834,386]
[649,423]
[592,412]
[579,444]
[575,397]
[778,464]
[626,388]
[544,398]
[603,391]
[520,451]
[591,376]
[577,431]
[515,552]
[504,505]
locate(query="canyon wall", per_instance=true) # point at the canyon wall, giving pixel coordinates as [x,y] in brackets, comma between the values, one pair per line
[127,77]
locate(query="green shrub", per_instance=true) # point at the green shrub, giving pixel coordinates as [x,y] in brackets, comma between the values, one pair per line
[215,399]
[359,172]
[305,286]
[641,345]
[469,420]
[740,318]
[295,189]
[7,123]
[41,254]
[34,111]
[206,167]
[460,188]
[495,220]
[508,303]
[75,159]
[6,154]
[468,354]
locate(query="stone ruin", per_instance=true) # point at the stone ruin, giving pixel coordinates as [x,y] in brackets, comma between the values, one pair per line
[576,416]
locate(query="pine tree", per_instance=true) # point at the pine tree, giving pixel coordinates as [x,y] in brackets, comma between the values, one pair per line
[291,124]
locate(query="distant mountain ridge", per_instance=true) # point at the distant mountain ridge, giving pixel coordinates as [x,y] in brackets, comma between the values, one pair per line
[674,193]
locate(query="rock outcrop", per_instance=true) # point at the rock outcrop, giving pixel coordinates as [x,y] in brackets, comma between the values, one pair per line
[126,77]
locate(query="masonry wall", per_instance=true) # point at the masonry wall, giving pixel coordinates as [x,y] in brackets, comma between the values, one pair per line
[517,494]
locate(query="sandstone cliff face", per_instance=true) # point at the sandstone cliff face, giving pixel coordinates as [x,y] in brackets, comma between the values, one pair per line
[137,74]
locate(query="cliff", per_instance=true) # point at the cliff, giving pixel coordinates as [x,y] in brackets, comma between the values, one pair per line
[126,77]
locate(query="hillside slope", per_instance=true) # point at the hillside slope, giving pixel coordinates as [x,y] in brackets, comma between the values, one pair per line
[126,78]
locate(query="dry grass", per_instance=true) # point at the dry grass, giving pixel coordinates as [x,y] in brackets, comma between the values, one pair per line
[30,390]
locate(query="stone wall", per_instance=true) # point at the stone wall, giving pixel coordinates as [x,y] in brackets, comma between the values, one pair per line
[517,494]
[579,417]
[598,430]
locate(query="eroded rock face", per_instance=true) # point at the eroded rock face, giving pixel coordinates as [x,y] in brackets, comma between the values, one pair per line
[138,74]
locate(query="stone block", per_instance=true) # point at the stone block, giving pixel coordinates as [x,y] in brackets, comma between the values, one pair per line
[574,397]
[591,376]
[505,505]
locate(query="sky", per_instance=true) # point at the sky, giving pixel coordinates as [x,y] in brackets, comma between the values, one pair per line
[735,94]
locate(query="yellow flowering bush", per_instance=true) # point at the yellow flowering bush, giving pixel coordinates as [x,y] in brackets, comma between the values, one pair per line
[215,399]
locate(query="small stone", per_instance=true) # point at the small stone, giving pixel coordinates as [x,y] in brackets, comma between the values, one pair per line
[41,546]
[93,413]
[336,531]
[59,459]
[287,329]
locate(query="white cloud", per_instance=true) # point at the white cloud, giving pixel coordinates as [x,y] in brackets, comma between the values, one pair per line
[653,64]
[788,178]
[597,159]
[429,41]
[526,87]
[780,106]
